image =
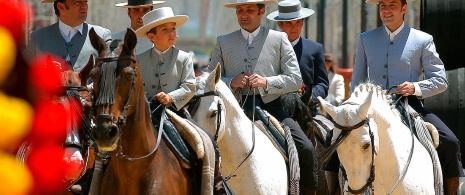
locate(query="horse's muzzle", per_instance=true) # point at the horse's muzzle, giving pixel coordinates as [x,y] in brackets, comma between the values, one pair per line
[105,133]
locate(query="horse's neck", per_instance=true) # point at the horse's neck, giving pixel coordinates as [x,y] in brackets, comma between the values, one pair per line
[138,133]
[394,142]
[238,129]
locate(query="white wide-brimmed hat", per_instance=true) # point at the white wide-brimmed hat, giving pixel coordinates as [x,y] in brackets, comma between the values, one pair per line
[241,2]
[377,1]
[139,3]
[157,17]
[290,10]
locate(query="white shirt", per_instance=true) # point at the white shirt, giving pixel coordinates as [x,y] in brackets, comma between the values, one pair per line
[295,42]
[392,35]
[161,53]
[249,36]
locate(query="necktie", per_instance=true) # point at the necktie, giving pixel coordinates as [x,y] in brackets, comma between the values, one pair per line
[250,38]
[392,36]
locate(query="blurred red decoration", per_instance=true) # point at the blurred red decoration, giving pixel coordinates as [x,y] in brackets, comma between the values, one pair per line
[48,168]
[46,74]
[49,123]
[13,16]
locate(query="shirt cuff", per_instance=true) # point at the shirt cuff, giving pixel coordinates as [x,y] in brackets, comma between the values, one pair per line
[417,89]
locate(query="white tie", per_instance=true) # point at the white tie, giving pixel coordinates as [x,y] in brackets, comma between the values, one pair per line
[250,38]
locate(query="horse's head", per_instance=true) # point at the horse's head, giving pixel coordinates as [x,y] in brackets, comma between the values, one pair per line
[115,81]
[207,108]
[356,151]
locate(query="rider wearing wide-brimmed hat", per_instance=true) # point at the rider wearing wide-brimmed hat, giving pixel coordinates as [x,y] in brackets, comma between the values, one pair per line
[167,72]
[136,10]
[310,54]
[260,59]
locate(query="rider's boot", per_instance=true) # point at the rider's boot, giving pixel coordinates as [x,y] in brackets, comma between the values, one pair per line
[83,184]
[451,185]
[308,191]
[332,182]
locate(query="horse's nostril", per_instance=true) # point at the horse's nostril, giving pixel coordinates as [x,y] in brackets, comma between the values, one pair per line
[113,130]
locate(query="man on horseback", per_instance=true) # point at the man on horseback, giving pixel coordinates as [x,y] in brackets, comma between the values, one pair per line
[137,9]
[310,54]
[257,60]
[69,40]
[396,55]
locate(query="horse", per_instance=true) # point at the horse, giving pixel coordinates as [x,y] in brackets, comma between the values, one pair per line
[140,162]
[375,142]
[254,165]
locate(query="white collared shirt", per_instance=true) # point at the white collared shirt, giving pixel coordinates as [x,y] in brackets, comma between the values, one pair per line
[246,34]
[392,35]
[295,42]
[161,53]
[68,32]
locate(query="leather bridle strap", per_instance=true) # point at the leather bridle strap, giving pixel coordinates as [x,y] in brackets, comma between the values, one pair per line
[126,57]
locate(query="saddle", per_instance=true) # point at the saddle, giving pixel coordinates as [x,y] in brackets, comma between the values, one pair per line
[171,136]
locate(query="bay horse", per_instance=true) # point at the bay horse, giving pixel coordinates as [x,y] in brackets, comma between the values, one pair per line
[254,165]
[377,143]
[141,162]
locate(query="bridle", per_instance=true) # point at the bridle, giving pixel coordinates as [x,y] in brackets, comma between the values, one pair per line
[123,117]
[194,105]
[371,178]
[195,101]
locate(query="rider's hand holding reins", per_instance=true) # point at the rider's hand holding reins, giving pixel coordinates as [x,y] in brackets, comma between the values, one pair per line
[257,81]
[163,98]
[406,88]
[240,81]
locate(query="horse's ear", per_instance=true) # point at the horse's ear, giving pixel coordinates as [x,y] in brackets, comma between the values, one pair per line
[214,77]
[362,111]
[96,41]
[217,72]
[84,74]
[130,40]
[330,109]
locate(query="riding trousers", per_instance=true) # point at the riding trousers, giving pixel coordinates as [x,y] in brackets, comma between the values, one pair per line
[448,149]
[306,151]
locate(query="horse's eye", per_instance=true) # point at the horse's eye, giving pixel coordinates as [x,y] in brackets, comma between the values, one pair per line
[366,145]
[214,113]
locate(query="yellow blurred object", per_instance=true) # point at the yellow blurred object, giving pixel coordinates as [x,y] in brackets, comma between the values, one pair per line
[16,118]
[7,53]
[15,178]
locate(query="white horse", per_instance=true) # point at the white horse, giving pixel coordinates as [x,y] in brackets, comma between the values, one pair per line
[368,109]
[264,171]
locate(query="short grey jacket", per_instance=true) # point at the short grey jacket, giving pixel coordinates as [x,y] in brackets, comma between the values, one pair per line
[142,44]
[389,63]
[49,39]
[172,73]
[270,55]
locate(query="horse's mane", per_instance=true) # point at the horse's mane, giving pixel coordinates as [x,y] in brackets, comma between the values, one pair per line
[379,94]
